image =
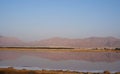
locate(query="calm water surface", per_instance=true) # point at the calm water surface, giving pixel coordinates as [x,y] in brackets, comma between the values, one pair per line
[78,61]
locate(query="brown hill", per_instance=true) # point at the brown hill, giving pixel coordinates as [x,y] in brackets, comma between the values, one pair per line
[10,41]
[92,42]
[86,42]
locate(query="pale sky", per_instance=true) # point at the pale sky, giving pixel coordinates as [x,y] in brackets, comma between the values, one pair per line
[40,19]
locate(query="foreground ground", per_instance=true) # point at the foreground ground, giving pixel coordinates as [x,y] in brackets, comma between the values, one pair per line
[11,70]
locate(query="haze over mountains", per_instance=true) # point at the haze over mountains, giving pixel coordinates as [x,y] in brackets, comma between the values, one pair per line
[91,42]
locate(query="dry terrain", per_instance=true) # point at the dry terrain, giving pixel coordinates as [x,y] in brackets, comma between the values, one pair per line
[58,49]
[11,70]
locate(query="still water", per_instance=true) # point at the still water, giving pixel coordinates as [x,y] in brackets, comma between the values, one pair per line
[77,61]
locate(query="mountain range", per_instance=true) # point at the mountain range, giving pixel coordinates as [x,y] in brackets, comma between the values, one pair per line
[91,42]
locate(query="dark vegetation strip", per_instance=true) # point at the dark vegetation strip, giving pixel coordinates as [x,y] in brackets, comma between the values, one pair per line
[38,47]
[117,48]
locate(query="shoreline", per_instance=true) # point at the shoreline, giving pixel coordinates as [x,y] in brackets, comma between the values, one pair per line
[38,68]
[13,70]
[58,49]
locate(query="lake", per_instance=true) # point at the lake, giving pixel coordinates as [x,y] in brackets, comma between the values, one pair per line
[77,61]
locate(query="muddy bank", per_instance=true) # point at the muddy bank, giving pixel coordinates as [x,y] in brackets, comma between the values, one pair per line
[11,70]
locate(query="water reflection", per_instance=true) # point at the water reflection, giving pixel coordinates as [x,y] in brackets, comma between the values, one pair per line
[80,61]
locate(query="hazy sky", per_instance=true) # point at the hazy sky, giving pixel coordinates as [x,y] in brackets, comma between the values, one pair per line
[39,19]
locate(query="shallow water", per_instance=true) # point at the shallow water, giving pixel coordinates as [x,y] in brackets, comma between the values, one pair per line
[78,61]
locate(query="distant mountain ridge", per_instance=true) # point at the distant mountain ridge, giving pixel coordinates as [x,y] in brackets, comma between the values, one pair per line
[91,42]
[86,42]
[10,41]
